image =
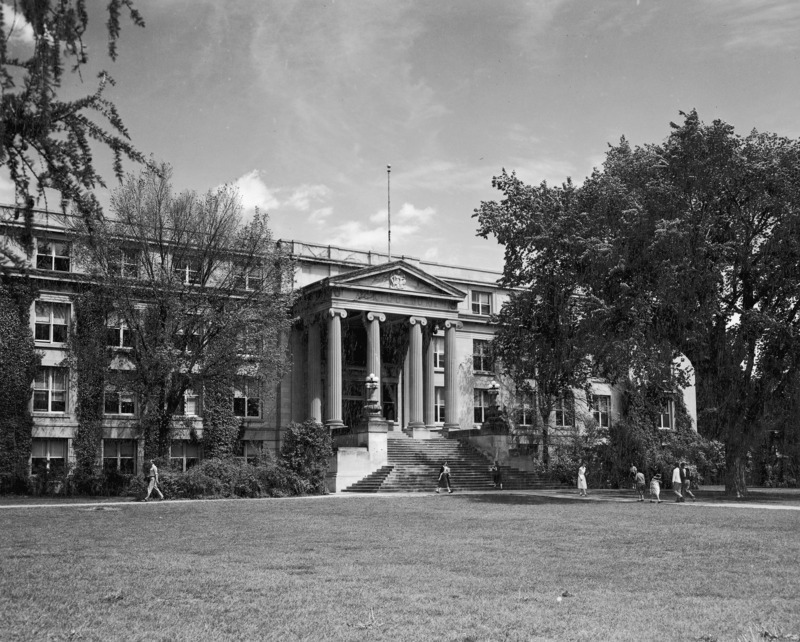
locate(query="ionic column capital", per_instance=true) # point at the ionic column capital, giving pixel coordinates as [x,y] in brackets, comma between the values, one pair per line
[418,320]
[337,312]
[456,325]
[375,316]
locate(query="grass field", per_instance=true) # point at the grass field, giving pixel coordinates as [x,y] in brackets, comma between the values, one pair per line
[461,567]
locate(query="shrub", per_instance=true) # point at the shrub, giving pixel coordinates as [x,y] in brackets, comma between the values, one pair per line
[307,449]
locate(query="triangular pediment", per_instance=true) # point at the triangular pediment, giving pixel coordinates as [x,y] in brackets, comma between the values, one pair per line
[399,277]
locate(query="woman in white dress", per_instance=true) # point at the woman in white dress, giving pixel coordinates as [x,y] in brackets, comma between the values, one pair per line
[582,480]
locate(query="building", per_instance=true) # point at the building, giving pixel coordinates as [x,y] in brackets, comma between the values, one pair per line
[407,338]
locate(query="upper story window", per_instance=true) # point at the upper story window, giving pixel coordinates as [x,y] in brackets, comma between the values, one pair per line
[52,322]
[52,255]
[50,390]
[601,410]
[188,270]
[119,400]
[481,359]
[125,263]
[565,416]
[190,404]
[249,277]
[481,303]
[249,340]
[119,337]
[666,418]
[246,402]
[438,352]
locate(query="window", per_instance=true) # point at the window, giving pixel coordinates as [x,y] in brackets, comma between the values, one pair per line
[438,407]
[526,409]
[438,353]
[665,417]
[125,263]
[48,456]
[118,402]
[601,410]
[249,340]
[119,337]
[184,454]
[52,322]
[481,303]
[481,361]
[119,455]
[249,277]
[190,404]
[250,451]
[50,390]
[187,270]
[246,398]
[565,417]
[481,403]
[52,255]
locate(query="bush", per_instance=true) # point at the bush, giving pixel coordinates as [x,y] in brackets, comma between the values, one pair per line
[307,449]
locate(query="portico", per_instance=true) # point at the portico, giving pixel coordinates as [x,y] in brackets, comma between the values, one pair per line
[377,320]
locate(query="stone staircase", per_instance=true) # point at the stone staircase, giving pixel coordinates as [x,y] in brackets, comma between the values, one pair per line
[414,467]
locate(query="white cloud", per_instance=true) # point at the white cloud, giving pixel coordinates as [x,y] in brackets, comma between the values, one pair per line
[7,191]
[406,214]
[20,30]
[320,215]
[407,223]
[303,196]
[761,25]
[254,192]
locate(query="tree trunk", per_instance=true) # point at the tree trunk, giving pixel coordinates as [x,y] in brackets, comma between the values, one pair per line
[545,440]
[735,468]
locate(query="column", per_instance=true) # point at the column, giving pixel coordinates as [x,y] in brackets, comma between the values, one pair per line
[299,409]
[334,388]
[415,325]
[428,387]
[314,370]
[451,412]
[373,320]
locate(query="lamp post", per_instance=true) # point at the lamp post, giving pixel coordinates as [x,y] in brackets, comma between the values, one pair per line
[371,387]
[492,419]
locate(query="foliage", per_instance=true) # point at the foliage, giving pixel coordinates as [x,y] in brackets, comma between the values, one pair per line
[201,293]
[229,477]
[690,247]
[91,358]
[18,365]
[306,450]
[221,427]
[46,143]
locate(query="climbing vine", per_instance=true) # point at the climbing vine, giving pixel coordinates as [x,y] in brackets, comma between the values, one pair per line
[18,365]
[221,427]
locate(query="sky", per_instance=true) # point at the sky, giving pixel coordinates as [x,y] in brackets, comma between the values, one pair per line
[302,104]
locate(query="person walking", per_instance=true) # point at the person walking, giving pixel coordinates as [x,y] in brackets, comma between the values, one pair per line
[497,475]
[686,482]
[640,485]
[676,483]
[444,478]
[655,488]
[582,480]
[152,481]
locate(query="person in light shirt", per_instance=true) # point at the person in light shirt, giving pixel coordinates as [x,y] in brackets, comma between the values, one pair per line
[152,481]
[676,483]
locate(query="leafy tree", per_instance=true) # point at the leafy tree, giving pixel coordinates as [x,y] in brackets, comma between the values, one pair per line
[690,247]
[539,324]
[202,297]
[46,142]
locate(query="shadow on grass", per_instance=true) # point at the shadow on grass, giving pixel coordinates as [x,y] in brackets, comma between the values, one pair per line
[519,500]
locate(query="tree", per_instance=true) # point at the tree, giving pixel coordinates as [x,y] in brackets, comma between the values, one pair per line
[692,247]
[45,142]
[198,297]
[539,324]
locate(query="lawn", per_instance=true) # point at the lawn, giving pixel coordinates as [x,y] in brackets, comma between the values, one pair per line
[461,567]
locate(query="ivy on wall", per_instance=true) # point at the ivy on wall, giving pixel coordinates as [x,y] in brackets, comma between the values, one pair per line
[19,363]
[221,427]
[90,359]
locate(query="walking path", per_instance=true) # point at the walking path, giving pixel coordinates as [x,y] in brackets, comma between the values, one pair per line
[791,501]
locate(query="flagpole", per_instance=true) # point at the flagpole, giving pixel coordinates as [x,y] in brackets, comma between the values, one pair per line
[389,206]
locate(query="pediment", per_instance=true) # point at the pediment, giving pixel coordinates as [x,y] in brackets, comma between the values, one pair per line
[398,277]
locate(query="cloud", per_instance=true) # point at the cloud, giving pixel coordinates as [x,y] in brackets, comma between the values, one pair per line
[15,24]
[762,25]
[7,189]
[408,222]
[254,192]
[302,196]
[320,215]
